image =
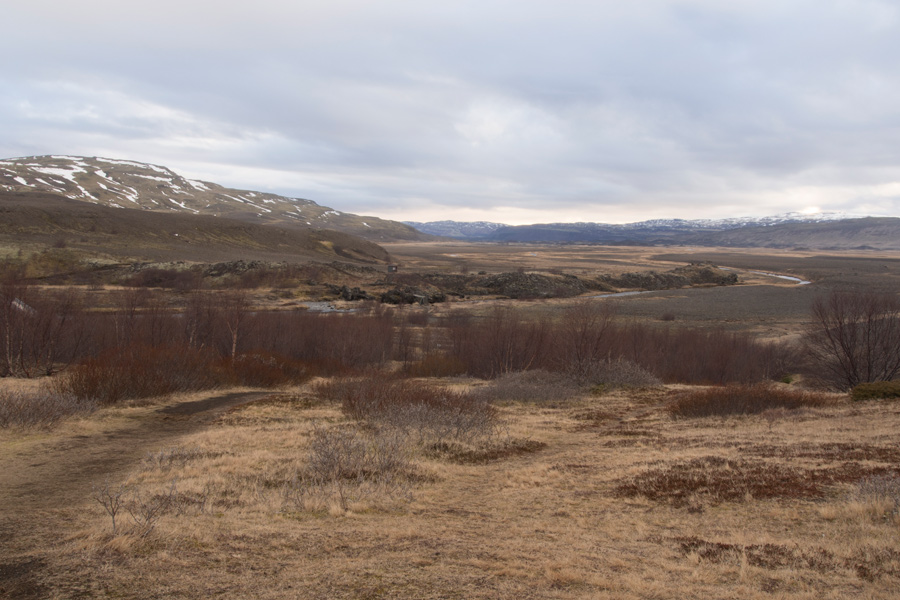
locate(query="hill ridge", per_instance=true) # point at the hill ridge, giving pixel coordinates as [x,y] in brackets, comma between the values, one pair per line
[120,183]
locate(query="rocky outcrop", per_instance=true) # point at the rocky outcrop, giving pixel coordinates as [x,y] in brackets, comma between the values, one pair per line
[691,275]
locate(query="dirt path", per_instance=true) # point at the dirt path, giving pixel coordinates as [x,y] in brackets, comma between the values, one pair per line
[42,482]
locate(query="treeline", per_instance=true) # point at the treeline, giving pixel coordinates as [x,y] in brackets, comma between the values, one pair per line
[144,347]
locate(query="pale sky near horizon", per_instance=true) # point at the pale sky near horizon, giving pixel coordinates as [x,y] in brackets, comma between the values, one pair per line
[511,111]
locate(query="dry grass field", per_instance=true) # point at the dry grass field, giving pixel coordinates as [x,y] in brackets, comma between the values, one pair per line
[542,487]
[582,496]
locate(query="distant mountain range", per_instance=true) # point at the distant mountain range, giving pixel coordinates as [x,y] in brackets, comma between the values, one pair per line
[790,231]
[117,184]
[128,184]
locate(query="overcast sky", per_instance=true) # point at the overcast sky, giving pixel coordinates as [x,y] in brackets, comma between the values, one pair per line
[516,111]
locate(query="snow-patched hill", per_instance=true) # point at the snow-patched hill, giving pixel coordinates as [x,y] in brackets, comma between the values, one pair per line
[484,230]
[129,184]
[822,231]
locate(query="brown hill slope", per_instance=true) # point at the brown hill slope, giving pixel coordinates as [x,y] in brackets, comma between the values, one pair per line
[36,219]
[869,233]
[129,184]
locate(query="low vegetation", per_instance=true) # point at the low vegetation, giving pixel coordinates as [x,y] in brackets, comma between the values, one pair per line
[40,410]
[878,390]
[723,401]
[498,453]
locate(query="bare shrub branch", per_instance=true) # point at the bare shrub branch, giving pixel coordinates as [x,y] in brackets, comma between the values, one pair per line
[854,338]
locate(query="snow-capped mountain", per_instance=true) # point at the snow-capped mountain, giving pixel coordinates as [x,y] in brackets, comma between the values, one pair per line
[129,184]
[792,230]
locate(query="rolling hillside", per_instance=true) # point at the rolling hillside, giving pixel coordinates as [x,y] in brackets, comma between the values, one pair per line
[129,184]
[39,219]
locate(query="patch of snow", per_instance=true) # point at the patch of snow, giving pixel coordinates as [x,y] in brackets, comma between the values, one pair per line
[198,185]
[21,180]
[153,177]
[49,185]
[183,205]
[366,224]
[64,173]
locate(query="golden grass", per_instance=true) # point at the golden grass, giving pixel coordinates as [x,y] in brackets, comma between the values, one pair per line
[542,524]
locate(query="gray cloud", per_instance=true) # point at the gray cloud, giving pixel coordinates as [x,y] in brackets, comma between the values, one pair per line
[512,111]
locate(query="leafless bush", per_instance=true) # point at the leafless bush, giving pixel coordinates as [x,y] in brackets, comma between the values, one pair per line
[584,336]
[436,365]
[426,412]
[39,332]
[538,386]
[40,410]
[140,372]
[347,465]
[743,400]
[429,424]
[500,343]
[617,373]
[146,510]
[112,499]
[855,338]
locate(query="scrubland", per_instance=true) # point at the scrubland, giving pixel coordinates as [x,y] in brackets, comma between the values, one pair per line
[575,496]
[204,446]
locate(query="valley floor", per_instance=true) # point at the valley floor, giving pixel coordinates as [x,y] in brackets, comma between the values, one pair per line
[597,497]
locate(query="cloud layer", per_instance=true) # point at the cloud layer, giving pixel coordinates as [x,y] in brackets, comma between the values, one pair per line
[520,111]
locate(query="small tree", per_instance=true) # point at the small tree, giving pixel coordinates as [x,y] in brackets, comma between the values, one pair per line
[854,337]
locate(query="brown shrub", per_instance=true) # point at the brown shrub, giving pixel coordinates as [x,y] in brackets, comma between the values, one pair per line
[500,343]
[139,372]
[742,400]
[430,414]
[436,365]
[618,373]
[536,386]
[264,369]
[346,465]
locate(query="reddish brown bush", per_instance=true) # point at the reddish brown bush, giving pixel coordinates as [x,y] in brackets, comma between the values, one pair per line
[436,365]
[500,343]
[742,400]
[264,369]
[140,372]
